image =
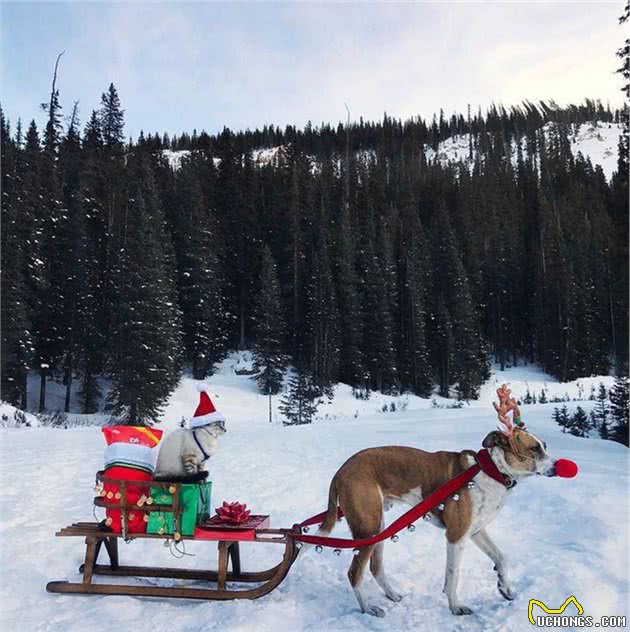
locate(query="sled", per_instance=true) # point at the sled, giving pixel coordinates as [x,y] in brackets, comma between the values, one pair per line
[228,581]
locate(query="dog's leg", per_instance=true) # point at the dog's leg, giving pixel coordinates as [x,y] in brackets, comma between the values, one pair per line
[483,541]
[364,514]
[356,575]
[454,554]
[377,570]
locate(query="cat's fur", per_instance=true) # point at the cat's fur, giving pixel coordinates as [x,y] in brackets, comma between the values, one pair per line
[180,458]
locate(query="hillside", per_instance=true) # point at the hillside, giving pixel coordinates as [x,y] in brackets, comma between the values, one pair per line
[597,141]
[393,271]
[239,398]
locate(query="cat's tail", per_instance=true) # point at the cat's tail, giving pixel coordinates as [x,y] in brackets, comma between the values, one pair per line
[197,477]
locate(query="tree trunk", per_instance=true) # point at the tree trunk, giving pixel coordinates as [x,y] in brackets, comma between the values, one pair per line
[196,369]
[68,389]
[42,388]
[241,342]
[23,388]
[87,392]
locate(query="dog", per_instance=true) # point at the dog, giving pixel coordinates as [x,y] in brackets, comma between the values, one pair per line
[369,482]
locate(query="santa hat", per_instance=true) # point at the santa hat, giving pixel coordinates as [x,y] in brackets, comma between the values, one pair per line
[206,413]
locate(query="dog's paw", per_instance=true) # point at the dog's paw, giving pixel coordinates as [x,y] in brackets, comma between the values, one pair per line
[375,611]
[460,610]
[394,596]
[506,591]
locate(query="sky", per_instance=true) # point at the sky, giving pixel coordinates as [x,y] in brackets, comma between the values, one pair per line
[184,66]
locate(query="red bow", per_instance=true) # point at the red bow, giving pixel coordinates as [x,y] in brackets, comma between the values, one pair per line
[233,513]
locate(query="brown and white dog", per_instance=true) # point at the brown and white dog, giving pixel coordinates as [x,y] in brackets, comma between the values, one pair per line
[369,482]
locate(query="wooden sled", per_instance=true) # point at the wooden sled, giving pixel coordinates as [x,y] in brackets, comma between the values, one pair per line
[98,536]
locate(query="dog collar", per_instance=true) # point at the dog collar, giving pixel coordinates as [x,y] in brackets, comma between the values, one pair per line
[205,456]
[489,467]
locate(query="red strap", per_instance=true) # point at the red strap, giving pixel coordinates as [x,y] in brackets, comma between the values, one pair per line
[487,465]
[415,513]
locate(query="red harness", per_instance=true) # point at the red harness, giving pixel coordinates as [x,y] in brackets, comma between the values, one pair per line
[484,464]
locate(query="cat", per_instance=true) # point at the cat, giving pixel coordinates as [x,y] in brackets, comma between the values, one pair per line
[184,452]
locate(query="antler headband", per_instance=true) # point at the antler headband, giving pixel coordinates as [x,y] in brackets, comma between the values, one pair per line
[506,405]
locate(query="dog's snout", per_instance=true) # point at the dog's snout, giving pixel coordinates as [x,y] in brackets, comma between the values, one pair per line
[551,470]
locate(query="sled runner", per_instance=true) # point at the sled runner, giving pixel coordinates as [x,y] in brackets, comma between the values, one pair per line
[99,536]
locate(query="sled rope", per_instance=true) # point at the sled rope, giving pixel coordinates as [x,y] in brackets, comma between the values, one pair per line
[484,463]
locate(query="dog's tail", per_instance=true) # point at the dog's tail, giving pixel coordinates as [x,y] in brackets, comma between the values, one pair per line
[329,521]
[331,513]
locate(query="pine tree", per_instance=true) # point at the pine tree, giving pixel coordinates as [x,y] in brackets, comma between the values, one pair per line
[351,359]
[299,406]
[16,338]
[112,119]
[469,366]
[378,325]
[619,410]
[561,417]
[51,224]
[416,370]
[443,346]
[95,308]
[600,414]
[114,196]
[322,321]
[200,275]
[269,328]
[71,282]
[579,424]
[145,338]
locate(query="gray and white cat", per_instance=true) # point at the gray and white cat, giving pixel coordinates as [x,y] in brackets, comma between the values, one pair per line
[184,452]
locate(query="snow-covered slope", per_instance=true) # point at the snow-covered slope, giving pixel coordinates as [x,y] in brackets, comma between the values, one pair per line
[597,141]
[564,537]
[237,396]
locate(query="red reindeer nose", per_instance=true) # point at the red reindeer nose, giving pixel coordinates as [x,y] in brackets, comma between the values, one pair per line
[566,468]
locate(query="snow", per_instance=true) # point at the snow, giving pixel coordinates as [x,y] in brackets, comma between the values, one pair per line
[175,157]
[10,417]
[563,537]
[596,140]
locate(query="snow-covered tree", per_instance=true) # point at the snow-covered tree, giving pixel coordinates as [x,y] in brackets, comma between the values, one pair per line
[146,338]
[619,410]
[269,328]
[299,406]
[579,424]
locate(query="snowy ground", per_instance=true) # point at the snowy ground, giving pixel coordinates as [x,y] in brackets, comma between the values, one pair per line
[564,537]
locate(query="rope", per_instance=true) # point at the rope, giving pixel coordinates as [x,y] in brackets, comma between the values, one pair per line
[178,555]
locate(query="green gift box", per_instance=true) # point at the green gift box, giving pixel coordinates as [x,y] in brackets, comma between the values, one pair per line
[194,503]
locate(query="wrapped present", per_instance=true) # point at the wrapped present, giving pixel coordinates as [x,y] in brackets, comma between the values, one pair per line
[130,455]
[194,502]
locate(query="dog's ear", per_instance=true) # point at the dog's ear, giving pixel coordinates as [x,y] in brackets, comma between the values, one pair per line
[495,438]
